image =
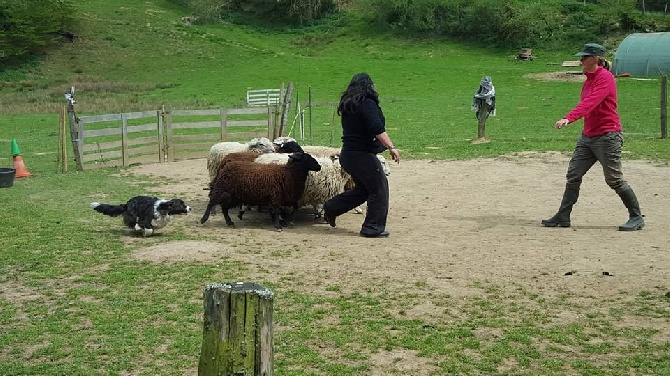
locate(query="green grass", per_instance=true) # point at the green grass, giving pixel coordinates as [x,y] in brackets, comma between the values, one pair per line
[73,303]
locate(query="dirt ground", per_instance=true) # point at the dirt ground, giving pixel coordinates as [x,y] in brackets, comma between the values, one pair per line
[452,223]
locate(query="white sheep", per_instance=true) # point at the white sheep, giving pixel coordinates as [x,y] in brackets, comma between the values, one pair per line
[218,151]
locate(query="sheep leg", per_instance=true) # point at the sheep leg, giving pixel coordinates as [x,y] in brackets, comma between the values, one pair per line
[241,212]
[275,213]
[229,221]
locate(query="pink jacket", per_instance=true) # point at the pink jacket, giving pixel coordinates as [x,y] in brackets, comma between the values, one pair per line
[598,104]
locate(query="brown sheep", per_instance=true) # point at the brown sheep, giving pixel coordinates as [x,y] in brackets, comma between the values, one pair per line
[240,182]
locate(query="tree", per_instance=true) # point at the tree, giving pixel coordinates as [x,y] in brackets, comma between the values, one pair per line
[28,27]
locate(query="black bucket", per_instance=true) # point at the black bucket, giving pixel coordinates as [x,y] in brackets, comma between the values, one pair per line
[7,177]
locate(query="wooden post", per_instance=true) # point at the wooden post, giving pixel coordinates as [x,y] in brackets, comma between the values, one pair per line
[62,141]
[224,124]
[125,155]
[482,115]
[285,109]
[664,106]
[161,135]
[237,334]
[74,131]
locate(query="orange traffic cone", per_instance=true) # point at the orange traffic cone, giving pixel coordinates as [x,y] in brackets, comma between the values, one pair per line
[19,166]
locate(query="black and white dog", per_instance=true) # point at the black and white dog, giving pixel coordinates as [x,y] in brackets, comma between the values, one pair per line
[144,213]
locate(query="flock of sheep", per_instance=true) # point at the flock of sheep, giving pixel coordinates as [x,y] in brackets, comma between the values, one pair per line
[281,175]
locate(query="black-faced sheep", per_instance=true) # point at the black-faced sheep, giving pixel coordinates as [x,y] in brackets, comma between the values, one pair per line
[257,184]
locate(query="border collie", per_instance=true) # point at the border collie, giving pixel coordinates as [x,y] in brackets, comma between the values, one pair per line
[144,213]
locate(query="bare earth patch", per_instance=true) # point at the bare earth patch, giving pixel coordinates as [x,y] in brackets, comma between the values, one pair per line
[452,223]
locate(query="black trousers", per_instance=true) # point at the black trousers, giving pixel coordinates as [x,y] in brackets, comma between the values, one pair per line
[371,186]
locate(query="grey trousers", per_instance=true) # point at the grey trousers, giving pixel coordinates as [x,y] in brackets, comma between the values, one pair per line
[605,149]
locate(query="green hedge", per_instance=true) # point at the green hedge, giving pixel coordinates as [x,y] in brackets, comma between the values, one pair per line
[29,26]
[552,24]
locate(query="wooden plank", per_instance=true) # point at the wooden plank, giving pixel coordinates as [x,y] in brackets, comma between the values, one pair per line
[196,137]
[194,146]
[132,152]
[101,146]
[117,144]
[103,155]
[194,112]
[99,118]
[101,132]
[142,128]
[247,111]
[140,115]
[248,123]
[197,125]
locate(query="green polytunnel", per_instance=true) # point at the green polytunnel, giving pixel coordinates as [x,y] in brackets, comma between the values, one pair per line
[643,54]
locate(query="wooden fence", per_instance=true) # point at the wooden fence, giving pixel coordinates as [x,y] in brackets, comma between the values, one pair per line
[165,136]
[264,97]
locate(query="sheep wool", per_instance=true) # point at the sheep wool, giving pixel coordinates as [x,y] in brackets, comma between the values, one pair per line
[251,183]
[219,151]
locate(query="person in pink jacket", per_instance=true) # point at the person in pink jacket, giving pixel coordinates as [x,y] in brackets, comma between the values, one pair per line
[601,140]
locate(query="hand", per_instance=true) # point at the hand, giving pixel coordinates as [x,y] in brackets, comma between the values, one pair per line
[395,155]
[562,123]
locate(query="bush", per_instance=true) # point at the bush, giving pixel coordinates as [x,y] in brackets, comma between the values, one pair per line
[28,27]
[515,23]
[271,11]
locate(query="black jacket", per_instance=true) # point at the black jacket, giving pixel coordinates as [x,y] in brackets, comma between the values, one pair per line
[360,128]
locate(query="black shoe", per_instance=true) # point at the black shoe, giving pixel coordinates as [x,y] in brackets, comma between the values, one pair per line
[383,234]
[329,218]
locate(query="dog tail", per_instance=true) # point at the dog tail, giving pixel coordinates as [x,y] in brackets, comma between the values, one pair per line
[110,210]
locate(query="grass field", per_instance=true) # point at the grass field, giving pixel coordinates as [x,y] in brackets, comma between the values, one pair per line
[73,303]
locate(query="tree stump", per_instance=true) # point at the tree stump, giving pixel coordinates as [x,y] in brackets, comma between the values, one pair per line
[482,115]
[237,330]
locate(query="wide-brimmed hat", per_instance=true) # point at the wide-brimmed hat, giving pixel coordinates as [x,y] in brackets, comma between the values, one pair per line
[592,49]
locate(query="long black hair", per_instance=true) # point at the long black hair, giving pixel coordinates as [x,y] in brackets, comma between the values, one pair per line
[360,87]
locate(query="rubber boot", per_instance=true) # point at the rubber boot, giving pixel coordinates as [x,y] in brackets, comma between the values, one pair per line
[635,217]
[562,218]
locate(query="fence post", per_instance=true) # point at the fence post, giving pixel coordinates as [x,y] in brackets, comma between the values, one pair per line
[224,124]
[75,127]
[237,330]
[161,135]
[664,106]
[286,107]
[169,140]
[124,140]
[62,141]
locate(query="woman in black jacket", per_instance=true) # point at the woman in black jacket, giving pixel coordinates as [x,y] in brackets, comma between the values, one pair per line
[363,136]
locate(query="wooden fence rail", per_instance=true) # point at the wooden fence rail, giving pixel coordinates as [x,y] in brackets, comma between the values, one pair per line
[165,136]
